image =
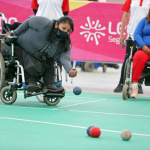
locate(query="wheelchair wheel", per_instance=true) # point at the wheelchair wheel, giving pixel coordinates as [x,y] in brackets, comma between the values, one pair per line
[125,92]
[40,98]
[6,98]
[2,72]
[89,66]
[52,101]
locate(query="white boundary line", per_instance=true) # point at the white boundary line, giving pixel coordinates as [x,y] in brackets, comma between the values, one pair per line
[79,104]
[51,123]
[77,110]
[52,108]
[110,113]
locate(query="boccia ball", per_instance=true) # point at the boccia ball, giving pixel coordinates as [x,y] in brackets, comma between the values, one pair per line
[95,132]
[88,130]
[77,90]
[126,135]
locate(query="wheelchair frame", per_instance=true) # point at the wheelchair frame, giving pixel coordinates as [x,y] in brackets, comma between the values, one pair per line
[128,71]
[8,93]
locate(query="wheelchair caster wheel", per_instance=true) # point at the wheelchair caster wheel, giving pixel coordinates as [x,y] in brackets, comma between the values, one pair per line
[7,97]
[40,98]
[125,92]
[89,66]
[52,101]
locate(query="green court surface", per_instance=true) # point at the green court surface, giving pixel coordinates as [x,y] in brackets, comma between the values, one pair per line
[30,125]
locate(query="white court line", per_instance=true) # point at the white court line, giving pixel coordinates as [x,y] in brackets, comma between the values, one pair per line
[34,121]
[110,113]
[53,108]
[79,104]
[78,111]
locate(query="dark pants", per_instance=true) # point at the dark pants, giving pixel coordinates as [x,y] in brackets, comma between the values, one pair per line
[48,76]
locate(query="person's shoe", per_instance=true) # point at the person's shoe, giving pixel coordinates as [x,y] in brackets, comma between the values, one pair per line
[134,91]
[52,88]
[119,88]
[60,87]
[32,87]
[140,90]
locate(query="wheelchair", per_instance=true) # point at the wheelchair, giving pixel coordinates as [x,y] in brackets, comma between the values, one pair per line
[128,70]
[12,76]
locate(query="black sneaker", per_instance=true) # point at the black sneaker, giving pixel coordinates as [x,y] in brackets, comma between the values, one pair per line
[52,88]
[60,87]
[140,90]
[119,88]
[32,87]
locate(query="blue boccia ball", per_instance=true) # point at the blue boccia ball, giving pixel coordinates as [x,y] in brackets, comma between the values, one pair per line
[88,130]
[77,90]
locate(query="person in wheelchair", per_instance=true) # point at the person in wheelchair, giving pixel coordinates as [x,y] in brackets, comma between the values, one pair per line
[142,38]
[43,40]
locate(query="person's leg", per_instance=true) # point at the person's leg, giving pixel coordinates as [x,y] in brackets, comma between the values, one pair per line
[48,77]
[120,85]
[139,60]
[58,83]
[30,81]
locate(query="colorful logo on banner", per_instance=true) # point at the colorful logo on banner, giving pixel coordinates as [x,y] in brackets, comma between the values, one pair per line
[92,31]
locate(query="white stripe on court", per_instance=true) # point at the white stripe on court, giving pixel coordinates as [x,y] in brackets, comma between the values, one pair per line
[53,108]
[12,106]
[110,113]
[51,123]
[79,104]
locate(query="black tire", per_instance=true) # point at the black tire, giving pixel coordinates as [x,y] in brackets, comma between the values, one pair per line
[5,99]
[89,66]
[125,92]
[127,68]
[52,101]
[2,72]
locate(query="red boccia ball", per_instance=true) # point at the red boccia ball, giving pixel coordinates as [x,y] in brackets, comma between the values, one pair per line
[95,132]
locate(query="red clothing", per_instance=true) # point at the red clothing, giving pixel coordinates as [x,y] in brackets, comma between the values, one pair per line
[126,6]
[139,61]
[65,5]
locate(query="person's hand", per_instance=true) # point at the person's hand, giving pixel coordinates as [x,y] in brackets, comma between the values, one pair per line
[7,34]
[122,38]
[73,73]
[146,49]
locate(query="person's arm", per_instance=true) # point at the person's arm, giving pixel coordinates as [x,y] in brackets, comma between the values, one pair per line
[65,7]
[65,61]
[126,9]
[34,6]
[138,36]
[22,28]
[37,23]
[66,13]
[35,11]
[123,25]
[138,33]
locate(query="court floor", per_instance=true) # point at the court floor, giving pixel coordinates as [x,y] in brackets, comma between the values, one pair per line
[31,125]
